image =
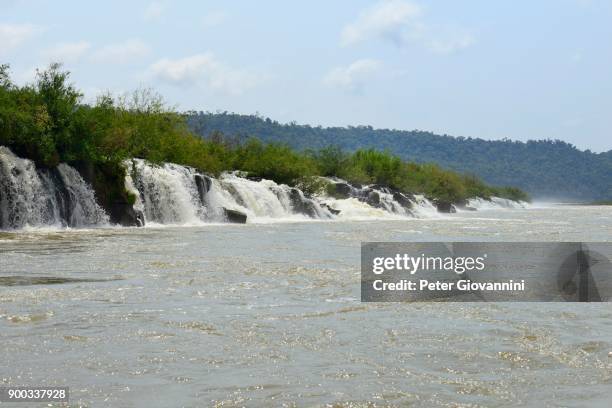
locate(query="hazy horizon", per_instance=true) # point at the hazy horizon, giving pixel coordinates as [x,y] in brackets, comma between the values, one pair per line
[522,71]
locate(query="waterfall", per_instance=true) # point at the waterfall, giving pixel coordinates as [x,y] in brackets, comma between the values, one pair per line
[258,198]
[374,201]
[265,199]
[494,203]
[425,208]
[173,194]
[167,193]
[44,197]
[79,200]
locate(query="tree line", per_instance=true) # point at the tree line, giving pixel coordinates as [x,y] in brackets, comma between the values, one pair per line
[48,122]
[543,168]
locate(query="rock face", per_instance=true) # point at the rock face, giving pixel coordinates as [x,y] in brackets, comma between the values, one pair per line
[125,214]
[109,186]
[301,204]
[330,209]
[373,198]
[403,199]
[203,184]
[234,216]
[342,190]
[374,195]
[445,207]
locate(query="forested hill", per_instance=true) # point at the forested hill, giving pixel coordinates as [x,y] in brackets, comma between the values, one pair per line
[544,168]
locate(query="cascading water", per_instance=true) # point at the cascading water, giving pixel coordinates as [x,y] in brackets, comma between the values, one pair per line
[44,197]
[25,197]
[265,199]
[372,201]
[494,203]
[260,199]
[425,208]
[167,193]
[171,194]
[174,194]
[79,200]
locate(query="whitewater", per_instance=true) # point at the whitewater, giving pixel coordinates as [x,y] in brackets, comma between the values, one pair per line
[171,194]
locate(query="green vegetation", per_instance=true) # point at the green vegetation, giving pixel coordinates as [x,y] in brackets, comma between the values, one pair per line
[543,168]
[375,167]
[48,122]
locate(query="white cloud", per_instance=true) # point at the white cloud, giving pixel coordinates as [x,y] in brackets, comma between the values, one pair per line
[352,77]
[401,22]
[67,52]
[387,19]
[154,10]
[13,35]
[122,52]
[204,69]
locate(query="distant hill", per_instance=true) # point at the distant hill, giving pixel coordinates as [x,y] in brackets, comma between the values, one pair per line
[544,168]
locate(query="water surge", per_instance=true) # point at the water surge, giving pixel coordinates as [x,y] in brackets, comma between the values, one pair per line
[171,194]
[32,197]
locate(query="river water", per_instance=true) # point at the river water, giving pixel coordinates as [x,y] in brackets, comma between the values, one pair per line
[269,315]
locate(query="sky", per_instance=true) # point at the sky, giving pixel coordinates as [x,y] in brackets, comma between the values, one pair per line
[490,69]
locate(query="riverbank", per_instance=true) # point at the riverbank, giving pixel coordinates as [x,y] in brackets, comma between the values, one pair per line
[48,124]
[171,194]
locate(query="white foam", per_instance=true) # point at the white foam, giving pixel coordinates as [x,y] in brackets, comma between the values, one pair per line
[495,203]
[35,198]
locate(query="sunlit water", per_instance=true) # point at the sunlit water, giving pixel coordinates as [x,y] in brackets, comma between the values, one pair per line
[269,315]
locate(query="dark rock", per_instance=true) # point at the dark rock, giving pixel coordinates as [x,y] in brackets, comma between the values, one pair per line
[330,209]
[402,199]
[87,171]
[125,214]
[203,183]
[108,183]
[301,204]
[382,188]
[234,216]
[373,199]
[445,207]
[254,178]
[342,190]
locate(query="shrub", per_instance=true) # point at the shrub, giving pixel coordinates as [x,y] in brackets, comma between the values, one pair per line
[48,123]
